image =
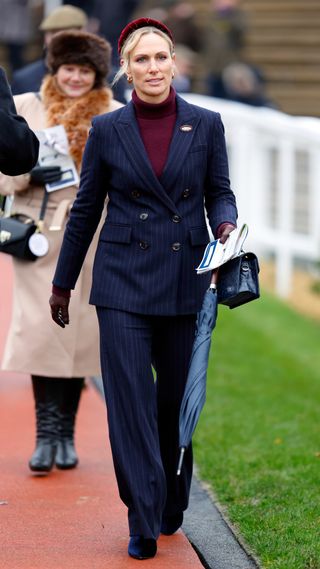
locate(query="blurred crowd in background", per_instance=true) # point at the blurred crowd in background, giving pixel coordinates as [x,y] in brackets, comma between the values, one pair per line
[209,54]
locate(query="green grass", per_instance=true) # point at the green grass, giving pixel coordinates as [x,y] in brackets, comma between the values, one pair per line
[258,438]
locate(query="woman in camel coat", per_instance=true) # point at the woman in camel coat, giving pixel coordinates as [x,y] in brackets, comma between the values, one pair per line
[57,360]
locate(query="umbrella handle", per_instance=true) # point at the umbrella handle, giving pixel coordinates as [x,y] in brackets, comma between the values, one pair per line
[182,451]
[214,279]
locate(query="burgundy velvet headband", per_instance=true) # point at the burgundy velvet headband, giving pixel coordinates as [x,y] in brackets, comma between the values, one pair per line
[141,23]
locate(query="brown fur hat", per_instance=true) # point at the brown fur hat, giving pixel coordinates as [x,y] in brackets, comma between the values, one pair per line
[82,48]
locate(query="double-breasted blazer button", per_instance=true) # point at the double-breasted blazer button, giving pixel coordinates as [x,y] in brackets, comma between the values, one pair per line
[186,193]
[135,194]
[143,216]
[176,218]
[176,246]
[143,245]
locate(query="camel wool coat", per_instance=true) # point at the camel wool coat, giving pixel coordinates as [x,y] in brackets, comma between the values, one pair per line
[35,344]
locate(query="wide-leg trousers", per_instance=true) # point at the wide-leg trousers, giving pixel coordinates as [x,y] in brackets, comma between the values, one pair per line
[143,411]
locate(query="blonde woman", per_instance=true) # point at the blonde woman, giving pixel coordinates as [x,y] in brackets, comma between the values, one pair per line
[158,159]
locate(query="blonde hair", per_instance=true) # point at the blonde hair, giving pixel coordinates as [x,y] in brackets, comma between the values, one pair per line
[131,42]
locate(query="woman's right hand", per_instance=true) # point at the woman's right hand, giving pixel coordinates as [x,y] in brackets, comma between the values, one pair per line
[59,309]
[41,175]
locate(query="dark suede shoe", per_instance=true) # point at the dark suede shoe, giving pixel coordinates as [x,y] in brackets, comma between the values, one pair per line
[170,524]
[142,548]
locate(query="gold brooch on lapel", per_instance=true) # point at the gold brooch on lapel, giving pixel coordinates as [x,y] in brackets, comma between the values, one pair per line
[186,127]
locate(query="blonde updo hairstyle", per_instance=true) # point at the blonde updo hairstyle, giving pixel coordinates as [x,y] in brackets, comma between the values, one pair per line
[131,42]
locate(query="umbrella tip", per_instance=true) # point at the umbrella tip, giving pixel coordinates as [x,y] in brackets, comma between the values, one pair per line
[182,451]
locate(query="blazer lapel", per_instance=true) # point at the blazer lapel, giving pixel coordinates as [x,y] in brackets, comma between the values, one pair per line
[128,130]
[185,127]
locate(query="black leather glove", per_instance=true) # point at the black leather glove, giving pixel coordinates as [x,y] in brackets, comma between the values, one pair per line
[42,175]
[227,228]
[59,309]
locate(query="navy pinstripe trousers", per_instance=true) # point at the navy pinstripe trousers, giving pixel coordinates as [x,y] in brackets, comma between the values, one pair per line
[143,413]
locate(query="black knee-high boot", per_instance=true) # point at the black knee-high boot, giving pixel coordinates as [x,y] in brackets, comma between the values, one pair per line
[66,456]
[46,391]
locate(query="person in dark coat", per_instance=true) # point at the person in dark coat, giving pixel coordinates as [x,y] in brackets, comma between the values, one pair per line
[224,40]
[112,17]
[15,31]
[181,19]
[162,163]
[19,145]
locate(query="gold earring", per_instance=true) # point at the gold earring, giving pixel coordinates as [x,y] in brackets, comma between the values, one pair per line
[129,79]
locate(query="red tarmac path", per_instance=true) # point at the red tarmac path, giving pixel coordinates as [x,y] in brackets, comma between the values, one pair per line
[66,520]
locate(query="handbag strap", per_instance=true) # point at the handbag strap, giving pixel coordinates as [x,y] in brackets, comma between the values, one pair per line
[43,208]
[44,205]
[3,204]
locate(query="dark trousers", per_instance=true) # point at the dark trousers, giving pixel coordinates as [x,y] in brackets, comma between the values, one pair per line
[143,411]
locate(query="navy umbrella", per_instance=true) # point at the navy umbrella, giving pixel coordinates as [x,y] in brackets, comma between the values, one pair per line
[195,391]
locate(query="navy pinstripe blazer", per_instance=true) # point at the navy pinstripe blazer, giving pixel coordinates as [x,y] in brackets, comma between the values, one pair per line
[155,231]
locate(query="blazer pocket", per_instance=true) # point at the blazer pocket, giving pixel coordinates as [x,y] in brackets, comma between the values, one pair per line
[199,236]
[116,233]
[198,148]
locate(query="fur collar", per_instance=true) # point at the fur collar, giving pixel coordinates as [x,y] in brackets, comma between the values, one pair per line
[75,114]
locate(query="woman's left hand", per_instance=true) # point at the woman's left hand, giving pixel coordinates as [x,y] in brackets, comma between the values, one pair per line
[227,228]
[223,236]
[59,309]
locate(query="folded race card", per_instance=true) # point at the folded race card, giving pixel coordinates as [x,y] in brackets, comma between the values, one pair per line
[217,253]
[54,151]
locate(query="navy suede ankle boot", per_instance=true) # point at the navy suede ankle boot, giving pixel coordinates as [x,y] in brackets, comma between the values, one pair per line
[171,524]
[141,547]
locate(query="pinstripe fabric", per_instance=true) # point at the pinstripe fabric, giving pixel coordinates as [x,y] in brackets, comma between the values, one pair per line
[143,415]
[146,289]
[145,263]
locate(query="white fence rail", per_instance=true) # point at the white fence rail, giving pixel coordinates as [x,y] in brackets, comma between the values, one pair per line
[275,173]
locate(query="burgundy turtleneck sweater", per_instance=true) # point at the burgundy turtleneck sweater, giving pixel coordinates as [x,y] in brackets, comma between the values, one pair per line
[156,123]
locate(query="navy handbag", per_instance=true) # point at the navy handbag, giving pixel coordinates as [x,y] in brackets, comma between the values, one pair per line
[238,280]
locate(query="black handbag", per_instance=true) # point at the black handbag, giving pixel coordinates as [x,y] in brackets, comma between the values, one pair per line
[16,230]
[238,280]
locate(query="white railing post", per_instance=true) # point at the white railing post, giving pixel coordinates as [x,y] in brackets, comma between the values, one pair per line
[284,254]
